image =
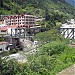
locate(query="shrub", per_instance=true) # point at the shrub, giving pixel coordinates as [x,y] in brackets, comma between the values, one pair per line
[54,47]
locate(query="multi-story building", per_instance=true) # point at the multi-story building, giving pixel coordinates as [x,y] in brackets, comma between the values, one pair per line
[20,20]
[8,22]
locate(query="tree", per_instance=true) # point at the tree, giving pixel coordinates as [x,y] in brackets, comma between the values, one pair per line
[1,3]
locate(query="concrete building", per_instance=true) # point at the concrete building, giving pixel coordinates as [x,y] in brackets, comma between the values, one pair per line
[3,46]
[9,22]
[19,20]
[7,29]
[39,19]
[16,27]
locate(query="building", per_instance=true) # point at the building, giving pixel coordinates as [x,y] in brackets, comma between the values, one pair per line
[3,46]
[20,20]
[71,2]
[7,29]
[15,27]
[9,22]
[39,19]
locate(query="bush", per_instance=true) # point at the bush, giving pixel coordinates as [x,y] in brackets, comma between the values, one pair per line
[54,47]
[49,36]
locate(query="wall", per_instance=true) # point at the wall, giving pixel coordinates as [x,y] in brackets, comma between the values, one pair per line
[3,47]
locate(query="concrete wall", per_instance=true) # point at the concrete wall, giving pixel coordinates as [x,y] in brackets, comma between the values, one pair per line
[3,47]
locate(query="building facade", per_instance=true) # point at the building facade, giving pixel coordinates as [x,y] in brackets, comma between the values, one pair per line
[3,46]
[19,20]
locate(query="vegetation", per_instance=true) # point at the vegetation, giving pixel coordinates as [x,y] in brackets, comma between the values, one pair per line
[49,60]
[1,39]
[54,54]
[52,10]
[48,36]
[52,57]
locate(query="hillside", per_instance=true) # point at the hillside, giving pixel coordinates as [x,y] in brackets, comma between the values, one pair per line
[36,7]
[53,52]
[52,10]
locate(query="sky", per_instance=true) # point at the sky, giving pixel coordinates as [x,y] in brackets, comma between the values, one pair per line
[72,2]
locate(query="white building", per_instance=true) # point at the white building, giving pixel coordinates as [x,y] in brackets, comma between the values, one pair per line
[3,46]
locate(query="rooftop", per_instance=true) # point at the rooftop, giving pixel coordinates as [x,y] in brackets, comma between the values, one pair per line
[6,27]
[69,24]
[1,43]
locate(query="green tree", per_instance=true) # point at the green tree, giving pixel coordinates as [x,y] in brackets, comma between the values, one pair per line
[1,3]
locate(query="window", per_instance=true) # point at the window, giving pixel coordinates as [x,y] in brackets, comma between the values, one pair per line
[23,20]
[30,22]
[23,23]
[30,19]
[26,16]
[3,30]
[22,16]
[26,22]
[26,19]
[1,49]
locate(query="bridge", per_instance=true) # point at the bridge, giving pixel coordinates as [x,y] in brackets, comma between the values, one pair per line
[23,32]
[26,32]
[68,32]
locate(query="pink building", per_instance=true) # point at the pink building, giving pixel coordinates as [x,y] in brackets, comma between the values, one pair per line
[20,20]
[17,21]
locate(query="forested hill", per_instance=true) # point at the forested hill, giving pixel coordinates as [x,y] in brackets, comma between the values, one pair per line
[34,6]
[52,10]
[53,52]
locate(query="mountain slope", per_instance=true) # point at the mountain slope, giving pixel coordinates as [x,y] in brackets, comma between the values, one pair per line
[53,10]
[19,6]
